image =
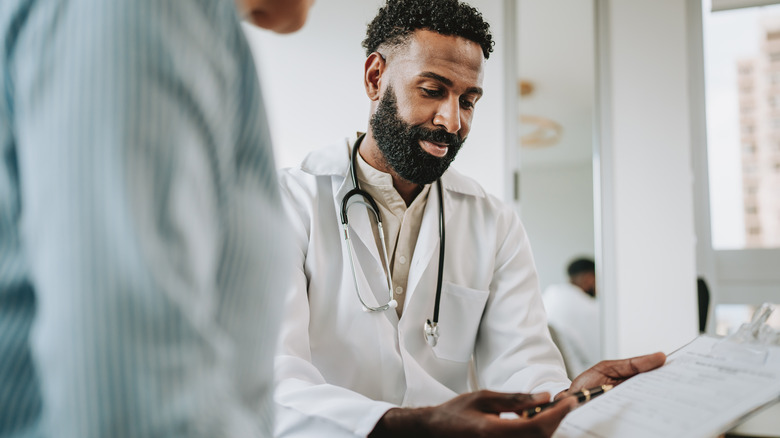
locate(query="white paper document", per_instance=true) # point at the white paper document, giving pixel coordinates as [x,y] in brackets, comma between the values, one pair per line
[702,391]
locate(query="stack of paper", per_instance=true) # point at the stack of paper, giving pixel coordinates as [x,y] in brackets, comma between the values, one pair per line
[704,389]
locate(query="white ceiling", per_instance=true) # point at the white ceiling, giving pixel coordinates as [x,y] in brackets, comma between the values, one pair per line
[556,53]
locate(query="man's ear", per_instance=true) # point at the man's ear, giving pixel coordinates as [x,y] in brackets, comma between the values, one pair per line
[372,75]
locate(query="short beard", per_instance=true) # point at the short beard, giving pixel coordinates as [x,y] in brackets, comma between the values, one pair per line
[399,143]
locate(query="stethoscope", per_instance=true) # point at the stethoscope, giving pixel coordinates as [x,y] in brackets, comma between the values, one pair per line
[431,328]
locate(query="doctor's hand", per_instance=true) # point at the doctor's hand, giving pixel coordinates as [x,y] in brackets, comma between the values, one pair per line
[475,414]
[613,372]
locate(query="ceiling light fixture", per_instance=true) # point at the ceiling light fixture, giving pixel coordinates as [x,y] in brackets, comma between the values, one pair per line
[541,131]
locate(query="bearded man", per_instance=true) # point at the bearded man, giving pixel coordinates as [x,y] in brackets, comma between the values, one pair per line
[381,328]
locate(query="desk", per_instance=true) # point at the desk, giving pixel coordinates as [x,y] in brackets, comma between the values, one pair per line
[764,424]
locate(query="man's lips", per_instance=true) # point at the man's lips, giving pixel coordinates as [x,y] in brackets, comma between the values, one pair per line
[435,149]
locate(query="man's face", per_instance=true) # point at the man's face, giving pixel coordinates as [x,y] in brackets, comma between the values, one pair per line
[281,16]
[429,89]
[400,143]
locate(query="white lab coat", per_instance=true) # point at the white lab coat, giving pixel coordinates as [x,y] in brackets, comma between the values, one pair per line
[340,368]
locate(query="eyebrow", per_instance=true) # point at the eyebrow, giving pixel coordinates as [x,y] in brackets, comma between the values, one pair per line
[447,82]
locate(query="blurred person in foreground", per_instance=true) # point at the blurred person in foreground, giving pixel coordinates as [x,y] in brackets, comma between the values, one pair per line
[573,313]
[141,253]
[345,372]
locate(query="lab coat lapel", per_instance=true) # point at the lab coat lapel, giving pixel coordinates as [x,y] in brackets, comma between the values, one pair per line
[427,249]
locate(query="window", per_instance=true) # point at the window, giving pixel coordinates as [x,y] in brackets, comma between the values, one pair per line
[739,44]
[743,183]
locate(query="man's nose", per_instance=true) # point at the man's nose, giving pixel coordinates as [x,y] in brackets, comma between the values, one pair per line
[448,116]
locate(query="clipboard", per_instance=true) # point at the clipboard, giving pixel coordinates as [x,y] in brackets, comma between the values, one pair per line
[705,388]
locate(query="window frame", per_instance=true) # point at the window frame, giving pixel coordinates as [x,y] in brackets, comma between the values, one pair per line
[735,276]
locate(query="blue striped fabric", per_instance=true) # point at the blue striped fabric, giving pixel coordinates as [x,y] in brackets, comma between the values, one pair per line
[140,222]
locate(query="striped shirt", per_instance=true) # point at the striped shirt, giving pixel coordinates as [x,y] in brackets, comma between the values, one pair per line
[140,222]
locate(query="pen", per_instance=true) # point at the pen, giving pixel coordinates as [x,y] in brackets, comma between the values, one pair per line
[582,397]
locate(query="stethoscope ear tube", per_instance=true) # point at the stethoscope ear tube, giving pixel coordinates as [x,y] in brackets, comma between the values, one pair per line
[441,255]
[432,327]
[391,303]
[367,200]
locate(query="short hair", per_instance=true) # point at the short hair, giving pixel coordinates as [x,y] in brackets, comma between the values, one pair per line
[398,19]
[581,266]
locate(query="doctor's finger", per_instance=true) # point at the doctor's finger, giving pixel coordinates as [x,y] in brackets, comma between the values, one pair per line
[541,425]
[489,401]
[622,369]
[549,419]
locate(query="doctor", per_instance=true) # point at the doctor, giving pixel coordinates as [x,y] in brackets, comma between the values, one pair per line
[364,350]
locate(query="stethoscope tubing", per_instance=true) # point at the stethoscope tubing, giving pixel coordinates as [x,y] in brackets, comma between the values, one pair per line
[391,303]
[431,326]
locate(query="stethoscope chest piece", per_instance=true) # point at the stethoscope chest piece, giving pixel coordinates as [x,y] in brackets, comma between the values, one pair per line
[431,333]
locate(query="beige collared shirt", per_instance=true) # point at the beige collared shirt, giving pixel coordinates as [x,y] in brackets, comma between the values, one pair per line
[401,223]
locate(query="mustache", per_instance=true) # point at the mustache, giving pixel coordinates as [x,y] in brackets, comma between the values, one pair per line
[437,136]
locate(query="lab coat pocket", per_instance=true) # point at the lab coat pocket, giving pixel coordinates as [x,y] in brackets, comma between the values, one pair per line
[460,312]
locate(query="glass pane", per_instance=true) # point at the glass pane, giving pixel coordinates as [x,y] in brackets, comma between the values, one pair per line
[728,317]
[742,69]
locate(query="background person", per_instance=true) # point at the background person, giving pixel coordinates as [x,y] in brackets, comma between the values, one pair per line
[574,315]
[140,246]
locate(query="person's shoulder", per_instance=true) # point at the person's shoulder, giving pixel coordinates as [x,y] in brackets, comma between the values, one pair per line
[567,293]
[559,299]
[332,159]
[323,162]
[457,183]
[558,290]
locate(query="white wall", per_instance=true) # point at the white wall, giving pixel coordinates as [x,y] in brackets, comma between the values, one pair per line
[556,54]
[648,257]
[558,215]
[313,85]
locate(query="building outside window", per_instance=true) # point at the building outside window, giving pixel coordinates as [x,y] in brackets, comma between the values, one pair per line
[742,56]
[742,94]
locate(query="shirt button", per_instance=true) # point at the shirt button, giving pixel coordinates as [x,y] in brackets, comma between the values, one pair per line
[399,290]
[402,259]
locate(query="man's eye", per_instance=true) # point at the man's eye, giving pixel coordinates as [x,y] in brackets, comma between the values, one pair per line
[467,104]
[431,92]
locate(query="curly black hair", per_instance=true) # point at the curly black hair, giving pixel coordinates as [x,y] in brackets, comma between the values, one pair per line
[395,22]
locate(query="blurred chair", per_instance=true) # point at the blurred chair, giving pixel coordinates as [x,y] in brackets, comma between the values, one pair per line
[565,351]
[704,303]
